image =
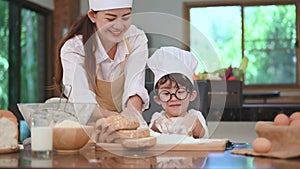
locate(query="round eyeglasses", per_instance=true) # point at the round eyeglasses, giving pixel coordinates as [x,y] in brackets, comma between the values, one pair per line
[166,95]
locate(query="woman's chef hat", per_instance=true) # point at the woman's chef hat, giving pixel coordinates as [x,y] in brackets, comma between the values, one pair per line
[167,60]
[99,5]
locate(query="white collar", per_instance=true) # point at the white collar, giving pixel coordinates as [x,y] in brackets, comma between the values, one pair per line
[101,54]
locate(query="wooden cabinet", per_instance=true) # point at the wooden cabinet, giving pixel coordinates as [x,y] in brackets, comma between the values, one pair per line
[225,94]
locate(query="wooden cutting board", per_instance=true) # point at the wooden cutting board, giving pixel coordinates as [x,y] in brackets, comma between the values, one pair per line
[9,150]
[202,145]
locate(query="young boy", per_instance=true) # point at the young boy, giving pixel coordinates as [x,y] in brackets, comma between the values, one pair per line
[173,70]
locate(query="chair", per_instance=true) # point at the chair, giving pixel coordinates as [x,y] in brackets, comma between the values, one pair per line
[200,103]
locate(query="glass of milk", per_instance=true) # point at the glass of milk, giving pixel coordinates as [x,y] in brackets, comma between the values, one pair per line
[42,134]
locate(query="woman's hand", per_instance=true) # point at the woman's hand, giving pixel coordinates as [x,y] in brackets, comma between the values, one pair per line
[134,115]
[135,102]
[106,113]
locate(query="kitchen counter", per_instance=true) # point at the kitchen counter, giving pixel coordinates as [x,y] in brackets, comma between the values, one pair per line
[89,158]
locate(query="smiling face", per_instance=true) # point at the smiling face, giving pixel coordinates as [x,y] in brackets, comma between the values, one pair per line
[111,24]
[175,106]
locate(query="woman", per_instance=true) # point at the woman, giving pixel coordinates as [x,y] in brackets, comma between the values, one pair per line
[103,58]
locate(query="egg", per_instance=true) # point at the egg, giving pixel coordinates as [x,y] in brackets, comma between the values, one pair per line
[295,116]
[295,122]
[281,119]
[261,145]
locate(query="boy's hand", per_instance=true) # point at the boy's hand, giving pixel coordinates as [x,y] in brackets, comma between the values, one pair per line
[176,125]
[184,125]
[163,124]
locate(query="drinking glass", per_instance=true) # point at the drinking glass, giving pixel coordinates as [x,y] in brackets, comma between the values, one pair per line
[42,134]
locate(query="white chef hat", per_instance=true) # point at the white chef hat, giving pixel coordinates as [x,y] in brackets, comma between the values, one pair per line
[167,60]
[99,5]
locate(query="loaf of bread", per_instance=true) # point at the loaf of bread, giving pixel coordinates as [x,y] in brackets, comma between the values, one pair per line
[139,143]
[118,122]
[9,130]
[120,135]
[137,133]
[114,128]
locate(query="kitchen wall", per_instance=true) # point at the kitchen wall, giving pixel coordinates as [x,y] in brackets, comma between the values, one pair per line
[50,4]
[161,21]
[150,6]
[44,3]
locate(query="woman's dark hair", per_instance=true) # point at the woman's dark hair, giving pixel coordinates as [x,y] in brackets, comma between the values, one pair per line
[177,78]
[87,29]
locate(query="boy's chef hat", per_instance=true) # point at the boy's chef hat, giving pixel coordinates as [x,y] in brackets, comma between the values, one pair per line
[99,5]
[167,60]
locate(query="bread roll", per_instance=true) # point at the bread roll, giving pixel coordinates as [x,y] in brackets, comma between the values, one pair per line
[9,130]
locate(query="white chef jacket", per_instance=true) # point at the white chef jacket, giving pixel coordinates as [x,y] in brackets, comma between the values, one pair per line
[74,74]
[197,113]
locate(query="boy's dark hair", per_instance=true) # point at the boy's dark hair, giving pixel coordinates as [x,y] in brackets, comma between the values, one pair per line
[177,78]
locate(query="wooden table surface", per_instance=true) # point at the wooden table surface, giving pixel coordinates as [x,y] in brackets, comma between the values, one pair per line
[89,158]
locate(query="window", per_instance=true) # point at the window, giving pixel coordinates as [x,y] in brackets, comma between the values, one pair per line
[264,33]
[4,33]
[29,52]
[24,34]
[269,43]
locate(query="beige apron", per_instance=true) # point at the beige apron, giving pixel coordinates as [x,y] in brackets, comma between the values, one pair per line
[109,93]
